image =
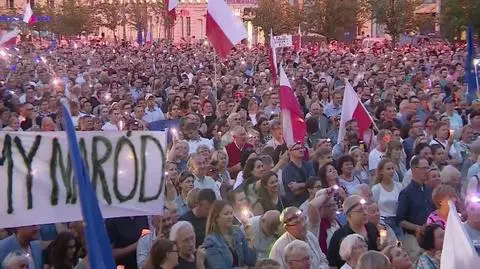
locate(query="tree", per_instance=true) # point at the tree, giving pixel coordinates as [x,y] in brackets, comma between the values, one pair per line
[111,16]
[71,18]
[277,15]
[333,18]
[457,14]
[398,16]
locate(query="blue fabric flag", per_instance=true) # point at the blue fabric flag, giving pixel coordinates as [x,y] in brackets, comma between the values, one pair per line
[139,35]
[98,245]
[469,68]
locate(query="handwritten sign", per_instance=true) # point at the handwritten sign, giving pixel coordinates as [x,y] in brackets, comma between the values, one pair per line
[282,41]
[38,187]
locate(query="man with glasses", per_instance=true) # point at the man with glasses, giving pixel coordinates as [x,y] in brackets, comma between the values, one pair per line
[355,209]
[414,205]
[294,223]
[296,255]
[295,174]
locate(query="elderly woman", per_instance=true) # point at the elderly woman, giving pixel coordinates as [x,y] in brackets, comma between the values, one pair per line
[387,235]
[398,257]
[351,248]
[355,209]
[219,167]
[296,255]
[451,176]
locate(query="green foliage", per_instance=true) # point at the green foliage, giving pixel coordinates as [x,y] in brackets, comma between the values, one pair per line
[457,14]
[278,15]
[71,18]
[397,15]
[111,15]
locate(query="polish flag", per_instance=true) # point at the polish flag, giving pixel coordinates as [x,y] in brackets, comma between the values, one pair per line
[224,29]
[273,59]
[353,108]
[293,123]
[9,38]
[171,6]
[28,14]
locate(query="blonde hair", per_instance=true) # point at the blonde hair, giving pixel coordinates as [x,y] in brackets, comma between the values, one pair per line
[441,192]
[378,171]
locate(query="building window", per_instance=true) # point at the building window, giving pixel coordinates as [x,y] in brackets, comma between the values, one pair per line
[189,26]
[10,3]
[183,26]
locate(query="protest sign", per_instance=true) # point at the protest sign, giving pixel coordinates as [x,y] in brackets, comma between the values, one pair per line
[126,169]
[282,41]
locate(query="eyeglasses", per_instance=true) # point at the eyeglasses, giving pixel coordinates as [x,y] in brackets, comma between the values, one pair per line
[423,167]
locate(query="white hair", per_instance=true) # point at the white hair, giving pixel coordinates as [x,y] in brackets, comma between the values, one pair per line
[294,248]
[177,227]
[448,173]
[13,257]
[348,244]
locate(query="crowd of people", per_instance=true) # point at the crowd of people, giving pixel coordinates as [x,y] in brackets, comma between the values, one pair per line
[236,196]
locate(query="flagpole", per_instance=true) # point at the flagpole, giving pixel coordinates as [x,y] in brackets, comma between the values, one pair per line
[215,73]
[475,63]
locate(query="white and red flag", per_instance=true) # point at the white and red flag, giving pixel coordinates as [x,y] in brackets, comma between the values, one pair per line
[28,14]
[293,123]
[353,108]
[224,29]
[273,59]
[9,39]
[297,40]
[171,9]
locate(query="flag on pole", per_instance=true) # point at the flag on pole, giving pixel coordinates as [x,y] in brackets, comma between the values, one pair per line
[171,10]
[458,250]
[139,34]
[273,59]
[9,39]
[469,68]
[293,123]
[224,29]
[353,108]
[28,14]
[98,244]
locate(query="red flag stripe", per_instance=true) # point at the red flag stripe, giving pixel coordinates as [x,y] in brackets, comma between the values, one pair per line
[217,37]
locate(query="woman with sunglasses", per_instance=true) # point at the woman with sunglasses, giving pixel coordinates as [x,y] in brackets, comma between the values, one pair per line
[225,244]
[164,254]
[355,209]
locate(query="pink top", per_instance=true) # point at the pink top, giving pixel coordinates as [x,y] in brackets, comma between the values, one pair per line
[435,218]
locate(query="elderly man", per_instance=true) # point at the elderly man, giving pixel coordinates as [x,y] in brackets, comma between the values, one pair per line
[293,221]
[235,148]
[199,167]
[264,229]
[296,255]
[15,260]
[183,235]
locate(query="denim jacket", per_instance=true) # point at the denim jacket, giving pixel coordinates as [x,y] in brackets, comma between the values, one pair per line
[219,255]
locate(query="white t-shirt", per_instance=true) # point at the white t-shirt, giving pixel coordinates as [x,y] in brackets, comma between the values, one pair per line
[349,185]
[207,183]
[109,127]
[387,201]
[374,159]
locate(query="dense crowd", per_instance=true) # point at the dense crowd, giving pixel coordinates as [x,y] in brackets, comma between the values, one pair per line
[236,195]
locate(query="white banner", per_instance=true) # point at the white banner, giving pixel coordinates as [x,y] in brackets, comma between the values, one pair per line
[282,41]
[38,187]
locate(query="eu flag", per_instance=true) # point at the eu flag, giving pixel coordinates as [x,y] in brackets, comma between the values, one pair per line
[139,34]
[98,246]
[469,69]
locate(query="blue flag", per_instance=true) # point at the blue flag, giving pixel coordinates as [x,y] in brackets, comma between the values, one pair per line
[469,68]
[139,34]
[98,246]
